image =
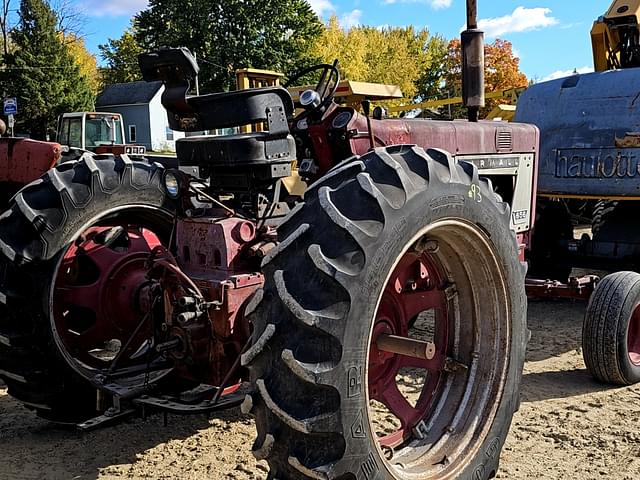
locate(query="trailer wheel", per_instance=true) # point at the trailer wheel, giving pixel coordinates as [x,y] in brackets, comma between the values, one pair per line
[611,331]
[389,338]
[74,244]
[549,244]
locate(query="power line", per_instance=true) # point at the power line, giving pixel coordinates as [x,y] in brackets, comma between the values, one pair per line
[4,69]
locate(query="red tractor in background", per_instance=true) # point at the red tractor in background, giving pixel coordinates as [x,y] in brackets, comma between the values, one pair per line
[124,285]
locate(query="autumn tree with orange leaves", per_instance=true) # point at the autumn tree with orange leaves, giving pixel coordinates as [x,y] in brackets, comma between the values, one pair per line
[502,72]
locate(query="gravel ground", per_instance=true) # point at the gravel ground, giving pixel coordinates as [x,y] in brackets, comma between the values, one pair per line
[568,426]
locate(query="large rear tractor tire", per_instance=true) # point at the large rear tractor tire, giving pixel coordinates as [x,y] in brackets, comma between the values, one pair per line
[611,330]
[74,245]
[390,335]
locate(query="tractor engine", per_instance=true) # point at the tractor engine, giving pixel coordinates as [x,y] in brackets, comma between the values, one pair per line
[225,218]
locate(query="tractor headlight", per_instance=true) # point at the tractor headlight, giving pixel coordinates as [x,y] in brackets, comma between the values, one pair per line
[172,184]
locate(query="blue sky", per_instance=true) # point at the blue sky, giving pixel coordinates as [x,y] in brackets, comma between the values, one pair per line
[551,37]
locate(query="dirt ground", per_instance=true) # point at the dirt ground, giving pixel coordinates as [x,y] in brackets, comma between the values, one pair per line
[568,427]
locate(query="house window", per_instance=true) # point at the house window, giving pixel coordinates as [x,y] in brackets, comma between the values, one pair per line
[169,135]
[132,134]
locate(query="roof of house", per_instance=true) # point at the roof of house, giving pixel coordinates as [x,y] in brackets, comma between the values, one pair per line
[128,93]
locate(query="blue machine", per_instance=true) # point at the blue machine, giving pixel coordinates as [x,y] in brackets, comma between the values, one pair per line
[589,134]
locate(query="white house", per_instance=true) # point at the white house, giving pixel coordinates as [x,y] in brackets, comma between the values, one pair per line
[145,119]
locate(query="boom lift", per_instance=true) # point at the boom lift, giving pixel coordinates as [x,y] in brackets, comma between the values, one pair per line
[615,37]
[589,169]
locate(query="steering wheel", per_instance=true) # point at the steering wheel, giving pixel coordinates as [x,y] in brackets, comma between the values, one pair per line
[320,97]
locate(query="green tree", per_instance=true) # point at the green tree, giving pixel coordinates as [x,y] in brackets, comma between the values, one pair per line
[121,57]
[397,55]
[41,72]
[230,34]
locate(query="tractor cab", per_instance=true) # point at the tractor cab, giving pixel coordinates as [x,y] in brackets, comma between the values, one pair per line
[97,132]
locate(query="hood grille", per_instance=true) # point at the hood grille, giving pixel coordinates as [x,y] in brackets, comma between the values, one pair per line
[504,140]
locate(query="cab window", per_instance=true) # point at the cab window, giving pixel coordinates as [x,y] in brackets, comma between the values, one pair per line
[63,139]
[75,133]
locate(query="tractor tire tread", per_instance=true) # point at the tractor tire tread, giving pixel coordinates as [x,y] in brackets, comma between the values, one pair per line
[353,203]
[40,221]
[605,325]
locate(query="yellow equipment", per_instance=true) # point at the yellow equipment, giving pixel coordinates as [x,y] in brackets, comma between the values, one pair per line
[247,78]
[615,37]
[353,93]
[512,94]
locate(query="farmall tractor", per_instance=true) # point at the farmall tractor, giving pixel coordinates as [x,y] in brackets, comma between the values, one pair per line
[379,321]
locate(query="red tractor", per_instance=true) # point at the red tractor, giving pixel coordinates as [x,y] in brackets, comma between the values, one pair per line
[380,321]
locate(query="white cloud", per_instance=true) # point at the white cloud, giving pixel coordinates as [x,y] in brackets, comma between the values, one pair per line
[113,8]
[321,6]
[435,4]
[351,19]
[521,20]
[566,73]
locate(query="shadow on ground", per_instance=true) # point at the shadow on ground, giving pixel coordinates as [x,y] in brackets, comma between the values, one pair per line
[31,446]
[540,386]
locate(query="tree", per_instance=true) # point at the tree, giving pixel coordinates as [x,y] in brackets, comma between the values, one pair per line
[121,56]
[41,72]
[4,25]
[85,60]
[230,34]
[398,56]
[502,72]
[70,20]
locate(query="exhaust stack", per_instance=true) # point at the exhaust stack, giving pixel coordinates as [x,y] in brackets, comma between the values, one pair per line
[472,41]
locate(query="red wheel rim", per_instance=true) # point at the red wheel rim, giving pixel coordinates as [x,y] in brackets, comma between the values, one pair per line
[95,301]
[633,337]
[415,291]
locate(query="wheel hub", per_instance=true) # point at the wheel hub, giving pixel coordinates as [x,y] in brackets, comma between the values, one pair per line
[633,337]
[412,314]
[97,293]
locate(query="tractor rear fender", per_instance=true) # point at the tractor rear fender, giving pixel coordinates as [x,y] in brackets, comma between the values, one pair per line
[23,160]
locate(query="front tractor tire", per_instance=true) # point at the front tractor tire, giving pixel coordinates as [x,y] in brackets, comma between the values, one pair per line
[74,245]
[389,337]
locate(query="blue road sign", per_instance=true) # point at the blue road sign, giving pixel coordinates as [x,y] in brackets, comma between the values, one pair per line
[10,106]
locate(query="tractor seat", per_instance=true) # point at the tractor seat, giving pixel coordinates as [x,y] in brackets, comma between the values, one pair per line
[239,150]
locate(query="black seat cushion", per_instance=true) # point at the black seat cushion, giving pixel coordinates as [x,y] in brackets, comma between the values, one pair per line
[243,149]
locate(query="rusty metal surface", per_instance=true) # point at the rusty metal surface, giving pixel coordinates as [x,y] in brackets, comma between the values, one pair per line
[630,140]
[215,254]
[457,137]
[24,160]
